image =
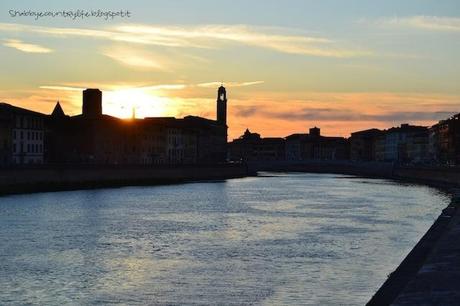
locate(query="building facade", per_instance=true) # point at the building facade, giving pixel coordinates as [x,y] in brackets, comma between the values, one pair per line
[403,144]
[444,141]
[21,135]
[363,145]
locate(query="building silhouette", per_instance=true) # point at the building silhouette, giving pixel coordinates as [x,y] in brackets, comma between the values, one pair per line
[92,137]
[96,138]
[251,147]
[295,147]
[92,103]
[314,146]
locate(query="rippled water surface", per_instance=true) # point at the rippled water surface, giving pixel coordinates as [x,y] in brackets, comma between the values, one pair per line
[272,240]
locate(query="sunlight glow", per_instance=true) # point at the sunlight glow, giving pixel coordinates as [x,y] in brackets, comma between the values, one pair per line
[121,102]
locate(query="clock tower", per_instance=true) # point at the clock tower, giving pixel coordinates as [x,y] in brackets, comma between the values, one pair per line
[222,106]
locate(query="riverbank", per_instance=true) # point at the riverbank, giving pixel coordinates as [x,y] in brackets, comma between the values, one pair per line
[58,178]
[42,179]
[430,272]
[436,176]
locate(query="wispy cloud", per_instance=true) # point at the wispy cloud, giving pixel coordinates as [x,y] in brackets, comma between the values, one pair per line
[156,87]
[134,57]
[25,47]
[206,36]
[229,84]
[431,23]
[117,87]
[65,88]
[165,87]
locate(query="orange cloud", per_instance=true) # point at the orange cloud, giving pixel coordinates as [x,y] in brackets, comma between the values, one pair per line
[268,113]
[275,114]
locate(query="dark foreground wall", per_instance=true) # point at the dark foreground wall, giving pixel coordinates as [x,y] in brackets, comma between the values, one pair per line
[68,178]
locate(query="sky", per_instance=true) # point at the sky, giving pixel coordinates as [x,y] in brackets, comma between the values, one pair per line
[287,65]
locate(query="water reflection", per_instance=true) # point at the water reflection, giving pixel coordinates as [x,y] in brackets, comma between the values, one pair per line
[277,239]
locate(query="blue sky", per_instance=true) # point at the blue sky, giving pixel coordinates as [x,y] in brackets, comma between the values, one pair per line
[333,61]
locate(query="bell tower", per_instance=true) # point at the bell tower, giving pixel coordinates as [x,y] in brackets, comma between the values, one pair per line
[222,105]
[92,103]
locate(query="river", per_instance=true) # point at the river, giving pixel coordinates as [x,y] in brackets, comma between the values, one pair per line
[276,239]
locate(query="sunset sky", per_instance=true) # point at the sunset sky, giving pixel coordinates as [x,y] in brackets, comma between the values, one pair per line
[287,65]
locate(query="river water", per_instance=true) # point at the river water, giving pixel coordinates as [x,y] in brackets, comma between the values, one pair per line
[277,239]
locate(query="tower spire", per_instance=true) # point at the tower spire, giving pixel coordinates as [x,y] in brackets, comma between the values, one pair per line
[57,111]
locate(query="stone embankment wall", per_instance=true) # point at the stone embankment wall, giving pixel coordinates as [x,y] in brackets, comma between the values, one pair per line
[437,176]
[25,180]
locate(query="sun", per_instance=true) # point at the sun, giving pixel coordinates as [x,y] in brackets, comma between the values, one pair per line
[145,103]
